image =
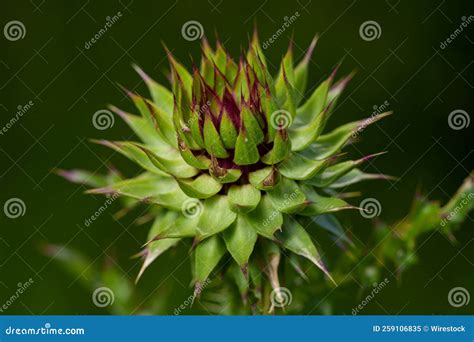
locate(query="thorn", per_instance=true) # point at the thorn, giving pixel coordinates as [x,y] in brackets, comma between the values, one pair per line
[309,52]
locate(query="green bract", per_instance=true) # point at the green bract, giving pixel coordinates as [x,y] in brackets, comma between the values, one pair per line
[233,158]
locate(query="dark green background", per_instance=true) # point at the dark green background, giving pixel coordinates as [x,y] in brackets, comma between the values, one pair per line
[68,84]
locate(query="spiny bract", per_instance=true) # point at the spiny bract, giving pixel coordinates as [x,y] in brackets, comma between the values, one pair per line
[233,161]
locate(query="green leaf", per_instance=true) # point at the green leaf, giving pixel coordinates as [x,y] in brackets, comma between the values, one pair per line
[224,175]
[301,72]
[149,188]
[285,75]
[175,167]
[240,240]
[240,278]
[180,71]
[287,196]
[212,139]
[182,227]
[355,176]
[84,177]
[198,161]
[220,58]
[204,186]
[162,122]
[270,108]
[132,152]
[194,124]
[216,216]
[459,206]
[256,58]
[142,128]
[161,96]
[313,107]
[280,150]
[317,204]
[301,168]
[156,248]
[264,179]
[337,89]
[328,144]
[252,127]
[228,131]
[206,257]
[295,238]
[246,152]
[243,198]
[302,137]
[334,172]
[265,219]
[153,251]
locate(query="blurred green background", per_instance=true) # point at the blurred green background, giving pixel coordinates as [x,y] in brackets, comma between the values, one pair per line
[68,83]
